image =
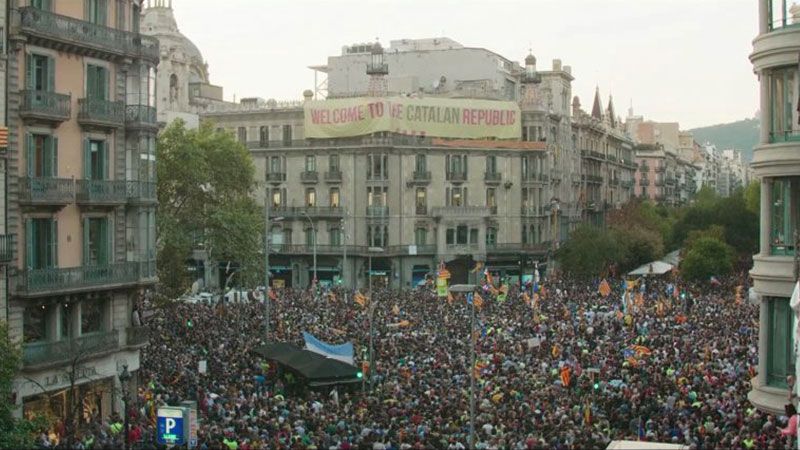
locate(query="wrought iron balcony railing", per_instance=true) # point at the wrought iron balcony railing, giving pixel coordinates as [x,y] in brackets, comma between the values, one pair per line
[45,105]
[102,192]
[51,352]
[101,112]
[32,281]
[46,191]
[140,116]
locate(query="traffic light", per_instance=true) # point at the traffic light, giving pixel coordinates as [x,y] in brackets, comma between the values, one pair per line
[596,385]
[359,375]
[683,295]
[189,323]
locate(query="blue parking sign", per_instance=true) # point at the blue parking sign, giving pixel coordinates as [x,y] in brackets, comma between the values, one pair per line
[170,426]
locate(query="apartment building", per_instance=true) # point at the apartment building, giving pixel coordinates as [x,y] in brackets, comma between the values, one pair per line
[81,198]
[775,164]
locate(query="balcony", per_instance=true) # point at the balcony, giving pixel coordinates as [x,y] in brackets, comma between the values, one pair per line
[644,182]
[555,175]
[627,184]
[276,177]
[518,248]
[492,177]
[36,282]
[644,168]
[534,211]
[84,38]
[669,181]
[659,182]
[333,176]
[6,246]
[420,177]
[461,211]
[295,212]
[422,210]
[45,106]
[46,191]
[661,169]
[612,158]
[377,211]
[457,177]
[141,117]
[597,179]
[102,192]
[309,176]
[46,352]
[535,178]
[576,178]
[101,113]
[137,336]
[141,192]
[614,182]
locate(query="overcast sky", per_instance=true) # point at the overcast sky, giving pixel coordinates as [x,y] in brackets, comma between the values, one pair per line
[677,60]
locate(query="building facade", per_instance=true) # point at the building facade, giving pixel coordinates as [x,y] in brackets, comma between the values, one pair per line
[81,198]
[6,240]
[777,166]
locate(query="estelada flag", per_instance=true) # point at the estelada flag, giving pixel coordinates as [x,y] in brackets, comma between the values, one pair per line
[478,300]
[604,289]
[565,376]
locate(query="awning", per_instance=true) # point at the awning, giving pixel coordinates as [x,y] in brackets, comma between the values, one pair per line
[654,268]
[314,367]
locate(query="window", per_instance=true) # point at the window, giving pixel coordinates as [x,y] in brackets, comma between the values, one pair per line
[376,195]
[461,234]
[91,316]
[96,241]
[334,197]
[491,164]
[97,82]
[277,236]
[491,198]
[311,236]
[335,236]
[45,5]
[96,11]
[783,87]
[785,211]
[780,358]
[377,235]
[421,200]
[40,75]
[456,166]
[120,14]
[287,134]
[491,236]
[241,133]
[65,317]
[34,321]
[311,163]
[42,155]
[41,243]
[275,165]
[456,196]
[333,163]
[420,236]
[524,133]
[263,136]
[377,167]
[450,236]
[311,197]
[420,163]
[95,159]
[473,236]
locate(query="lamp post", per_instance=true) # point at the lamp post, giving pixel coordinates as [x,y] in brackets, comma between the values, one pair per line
[124,377]
[469,288]
[266,261]
[344,254]
[314,239]
[371,250]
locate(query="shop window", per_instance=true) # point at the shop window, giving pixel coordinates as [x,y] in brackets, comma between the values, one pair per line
[91,316]
[33,324]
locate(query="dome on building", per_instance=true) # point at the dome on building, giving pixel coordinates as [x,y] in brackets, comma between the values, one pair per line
[158,20]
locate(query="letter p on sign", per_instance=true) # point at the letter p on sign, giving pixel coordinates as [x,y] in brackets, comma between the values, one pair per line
[170,425]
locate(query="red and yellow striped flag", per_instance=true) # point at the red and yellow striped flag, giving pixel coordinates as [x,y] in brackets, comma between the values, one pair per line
[359,298]
[604,289]
[565,376]
[478,301]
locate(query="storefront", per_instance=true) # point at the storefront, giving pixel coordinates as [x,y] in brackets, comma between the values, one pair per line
[280,276]
[418,274]
[89,401]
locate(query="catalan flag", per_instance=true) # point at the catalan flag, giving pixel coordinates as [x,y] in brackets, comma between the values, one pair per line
[587,414]
[359,298]
[478,301]
[604,289]
[3,137]
[565,376]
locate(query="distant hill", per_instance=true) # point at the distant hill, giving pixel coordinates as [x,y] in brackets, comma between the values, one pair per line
[741,135]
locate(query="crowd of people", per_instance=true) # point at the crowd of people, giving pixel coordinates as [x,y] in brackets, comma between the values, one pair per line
[565,367]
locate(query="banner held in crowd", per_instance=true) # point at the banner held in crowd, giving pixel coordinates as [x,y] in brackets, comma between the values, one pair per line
[343,352]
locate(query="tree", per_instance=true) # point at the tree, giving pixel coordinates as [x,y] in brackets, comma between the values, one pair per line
[14,433]
[752,197]
[706,257]
[205,178]
[590,250]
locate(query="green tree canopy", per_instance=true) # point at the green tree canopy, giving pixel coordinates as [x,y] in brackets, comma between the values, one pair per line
[13,433]
[707,256]
[589,250]
[205,178]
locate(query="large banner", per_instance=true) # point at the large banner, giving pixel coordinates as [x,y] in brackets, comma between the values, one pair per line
[435,117]
[343,352]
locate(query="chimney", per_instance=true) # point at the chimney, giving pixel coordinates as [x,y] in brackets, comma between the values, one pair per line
[568,69]
[556,65]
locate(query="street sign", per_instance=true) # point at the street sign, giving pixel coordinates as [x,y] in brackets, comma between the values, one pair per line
[191,407]
[170,426]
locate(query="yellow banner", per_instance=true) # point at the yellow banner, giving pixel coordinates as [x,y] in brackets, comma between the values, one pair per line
[435,117]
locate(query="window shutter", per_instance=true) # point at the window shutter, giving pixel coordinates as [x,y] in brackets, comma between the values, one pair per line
[106,91]
[85,232]
[447,164]
[30,155]
[91,81]
[51,74]
[465,168]
[54,157]
[104,163]
[53,243]
[30,263]
[87,159]
[102,8]
[87,10]
[29,71]
[104,249]
[447,196]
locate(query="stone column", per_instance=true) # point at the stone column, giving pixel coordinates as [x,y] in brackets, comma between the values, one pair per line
[766,219]
[763,18]
[766,110]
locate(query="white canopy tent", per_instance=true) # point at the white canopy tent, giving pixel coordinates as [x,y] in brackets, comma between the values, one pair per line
[653,268]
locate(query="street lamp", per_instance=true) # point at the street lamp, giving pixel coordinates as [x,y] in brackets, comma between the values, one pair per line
[314,238]
[468,289]
[344,254]
[124,377]
[370,251]
[266,261]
